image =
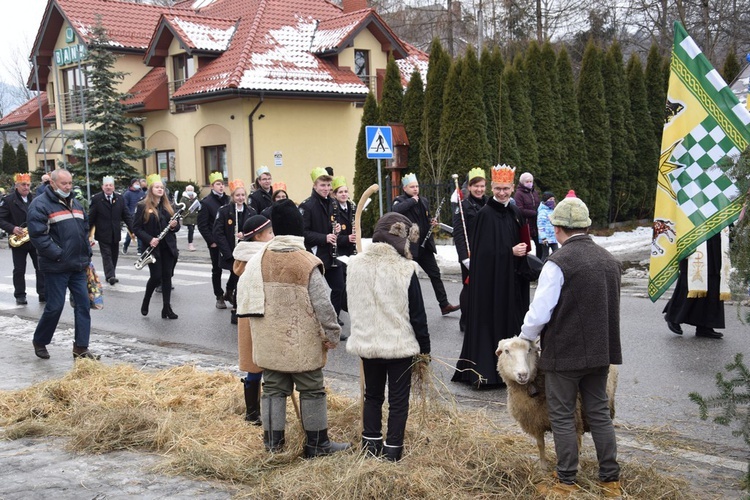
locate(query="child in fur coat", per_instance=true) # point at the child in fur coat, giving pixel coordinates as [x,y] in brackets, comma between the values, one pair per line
[257,232]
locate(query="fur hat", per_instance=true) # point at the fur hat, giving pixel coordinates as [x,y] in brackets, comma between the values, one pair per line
[398,231]
[571,213]
[286,219]
[255,225]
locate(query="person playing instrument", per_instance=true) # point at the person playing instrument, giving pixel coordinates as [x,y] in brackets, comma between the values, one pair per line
[498,294]
[206,216]
[153,215]
[256,231]
[470,206]
[106,212]
[321,229]
[13,210]
[417,210]
[262,194]
[191,219]
[227,232]
[59,228]
[346,242]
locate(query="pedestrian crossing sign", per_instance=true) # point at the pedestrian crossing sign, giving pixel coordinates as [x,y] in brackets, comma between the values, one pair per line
[379,142]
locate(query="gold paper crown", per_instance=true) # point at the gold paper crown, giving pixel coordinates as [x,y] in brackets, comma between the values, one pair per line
[236,184]
[408,179]
[152,178]
[214,177]
[262,170]
[22,177]
[476,172]
[278,185]
[318,172]
[503,174]
[337,182]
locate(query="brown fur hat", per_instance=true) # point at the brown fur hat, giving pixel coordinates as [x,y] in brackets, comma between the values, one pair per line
[398,231]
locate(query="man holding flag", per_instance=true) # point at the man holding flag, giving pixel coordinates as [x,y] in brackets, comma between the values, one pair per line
[696,201]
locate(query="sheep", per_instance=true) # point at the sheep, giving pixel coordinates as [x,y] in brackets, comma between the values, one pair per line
[527,403]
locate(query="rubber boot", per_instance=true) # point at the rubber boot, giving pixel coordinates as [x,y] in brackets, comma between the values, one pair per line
[392,453]
[252,401]
[372,446]
[273,417]
[315,422]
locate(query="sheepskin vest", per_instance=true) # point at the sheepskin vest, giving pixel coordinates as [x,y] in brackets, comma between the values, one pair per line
[584,330]
[288,338]
[377,285]
[243,252]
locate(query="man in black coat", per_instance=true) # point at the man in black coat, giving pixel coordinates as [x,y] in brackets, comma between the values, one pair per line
[13,210]
[417,210]
[210,205]
[106,211]
[262,198]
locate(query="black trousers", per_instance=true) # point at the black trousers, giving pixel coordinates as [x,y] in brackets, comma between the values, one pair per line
[546,250]
[397,372]
[160,273]
[19,270]
[191,232]
[110,252]
[335,279]
[216,270]
[426,261]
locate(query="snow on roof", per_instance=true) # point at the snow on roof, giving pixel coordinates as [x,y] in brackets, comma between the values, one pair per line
[416,59]
[199,4]
[204,36]
[331,32]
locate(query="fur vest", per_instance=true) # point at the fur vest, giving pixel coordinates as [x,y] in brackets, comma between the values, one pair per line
[377,285]
[243,252]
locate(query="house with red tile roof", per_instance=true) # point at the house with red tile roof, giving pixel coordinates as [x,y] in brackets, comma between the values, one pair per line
[223,85]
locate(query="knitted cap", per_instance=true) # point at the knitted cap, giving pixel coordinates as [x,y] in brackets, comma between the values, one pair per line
[572,213]
[547,195]
[287,219]
[396,230]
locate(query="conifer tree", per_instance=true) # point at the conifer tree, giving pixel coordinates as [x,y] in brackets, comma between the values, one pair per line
[110,135]
[549,174]
[437,73]
[549,59]
[573,152]
[492,65]
[508,146]
[365,170]
[731,67]
[471,146]
[413,110]
[647,152]
[449,123]
[621,133]
[22,159]
[595,125]
[9,159]
[392,102]
[657,91]
[518,99]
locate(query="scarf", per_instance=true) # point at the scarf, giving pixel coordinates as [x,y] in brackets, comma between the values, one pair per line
[698,273]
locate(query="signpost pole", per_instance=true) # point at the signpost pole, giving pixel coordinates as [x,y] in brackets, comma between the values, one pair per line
[380,191]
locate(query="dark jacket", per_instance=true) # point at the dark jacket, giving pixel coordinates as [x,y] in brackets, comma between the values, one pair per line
[260,200]
[346,219]
[105,217]
[210,205]
[227,223]
[40,188]
[144,231]
[419,213]
[190,219]
[317,216]
[132,197]
[13,211]
[471,207]
[59,230]
[528,201]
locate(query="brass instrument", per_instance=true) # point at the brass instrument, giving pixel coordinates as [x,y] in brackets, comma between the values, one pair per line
[334,245]
[16,241]
[147,256]
[432,228]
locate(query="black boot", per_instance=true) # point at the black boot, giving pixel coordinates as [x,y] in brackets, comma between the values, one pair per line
[315,422]
[318,444]
[233,318]
[392,453]
[146,298]
[372,446]
[273,416]
[274,441]
[168,313]
[252,401]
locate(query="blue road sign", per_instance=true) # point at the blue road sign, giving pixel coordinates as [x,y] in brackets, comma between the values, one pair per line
[379,142]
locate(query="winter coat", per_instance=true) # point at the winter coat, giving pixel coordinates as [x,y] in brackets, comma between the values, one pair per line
[260,200]
[242,254]
[346,219]
[317,216]
[132,197]
[145,231]
[59,230]
[190,219]
[13,211]
[544,226]
[105,217]
[527,200]
[419,213]
[210,205]
[227,223]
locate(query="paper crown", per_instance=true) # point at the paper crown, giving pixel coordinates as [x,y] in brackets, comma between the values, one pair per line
[337,182]
[262,170]
[236,184]
[278,186]
[22,177]
[152,178]
[215,177]
[108,179]
[503,174]
[408,179]
[318,172]
[476,172]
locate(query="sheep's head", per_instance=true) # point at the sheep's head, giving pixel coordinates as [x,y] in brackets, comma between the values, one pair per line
[517,360]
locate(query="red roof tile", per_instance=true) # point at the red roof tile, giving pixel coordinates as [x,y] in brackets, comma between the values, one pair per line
[202,33]
[26,115]
[416,59]
[150,93]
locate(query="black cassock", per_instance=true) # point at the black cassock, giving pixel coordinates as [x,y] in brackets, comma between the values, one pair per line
[498,296]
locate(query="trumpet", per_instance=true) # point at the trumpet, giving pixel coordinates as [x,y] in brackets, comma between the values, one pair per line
[147,257]
[16,241]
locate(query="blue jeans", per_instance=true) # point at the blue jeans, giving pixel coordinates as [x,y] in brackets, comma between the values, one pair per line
[55,286]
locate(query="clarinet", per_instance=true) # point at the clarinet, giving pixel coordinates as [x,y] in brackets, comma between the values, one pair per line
[432,228]
[334,245]
[352,210]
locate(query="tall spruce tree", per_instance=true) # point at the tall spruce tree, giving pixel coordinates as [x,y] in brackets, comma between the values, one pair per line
[22,159]
[657,91]
[549,174]
[437,73]
[647,152]
[449,123]
[520,106]
[508,146]
[731,67]
[366,171]
[110,134]
[392,102]
[471,146]
[492,65]
[413,111]
[573,152]
[621,133]
[595,125]
[9,159]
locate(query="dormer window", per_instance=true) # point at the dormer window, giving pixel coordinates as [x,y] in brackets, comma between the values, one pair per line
[184,68]
[362,65]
